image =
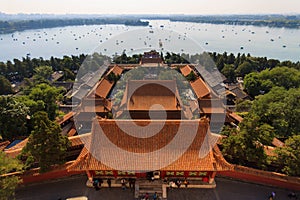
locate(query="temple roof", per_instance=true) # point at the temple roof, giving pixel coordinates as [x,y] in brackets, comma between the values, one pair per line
[66,117]
[142,94]
[17,149]
[104,88]
[92,105]
[117,70]
[202,154]
[4,144]
[186,70]
[209,106]
[200,88]
[151,57]
[235,116]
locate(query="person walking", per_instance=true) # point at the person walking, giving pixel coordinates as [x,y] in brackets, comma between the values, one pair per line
[123,182]
[155,196]
[109,183]
[186,183]
[147,196]
[272,196]
[178,183]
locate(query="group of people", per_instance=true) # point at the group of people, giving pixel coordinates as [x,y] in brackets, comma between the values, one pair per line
[146,196]
[291,195]
[97,183]
[130,181]
[177,183]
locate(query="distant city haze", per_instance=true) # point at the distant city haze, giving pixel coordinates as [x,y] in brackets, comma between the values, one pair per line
[200,7]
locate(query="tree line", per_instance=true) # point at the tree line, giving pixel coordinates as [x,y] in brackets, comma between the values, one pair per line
[17,71]
[21,25]
[277,21]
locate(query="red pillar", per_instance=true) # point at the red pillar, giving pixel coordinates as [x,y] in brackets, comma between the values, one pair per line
[115,173]
[89,175]
[212,177]
[186,174]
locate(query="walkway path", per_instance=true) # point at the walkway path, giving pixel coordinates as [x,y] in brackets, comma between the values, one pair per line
[75,186]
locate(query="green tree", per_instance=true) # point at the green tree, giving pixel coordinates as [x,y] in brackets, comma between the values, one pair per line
[49,95]
[245,68]
[13,118]
[289,156]
[245,145]
[5,86]
[260,83]
[112,77]
[191,76]
[282,76]
[280,109]
[243,106]
[46,145]
[220,63]
[34,106]
[228,71]
[42,74]
[9,183]
[230,59]
[252,84]
[68,75]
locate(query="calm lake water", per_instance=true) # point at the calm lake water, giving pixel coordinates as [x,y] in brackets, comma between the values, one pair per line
[180,37]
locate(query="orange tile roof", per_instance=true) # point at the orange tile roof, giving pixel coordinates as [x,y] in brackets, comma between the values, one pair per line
[200,88]
[4,144]
[78,139]
[270,151]
[19,145]
[13,153]
[72,132]
[235,116]
[117,70]
[208,106]
[103,88]
[188,161]
[144,94]
[66,117]
[17,149]
[86,161]
[277,143]
[193,105]
[186,70]
[92,105]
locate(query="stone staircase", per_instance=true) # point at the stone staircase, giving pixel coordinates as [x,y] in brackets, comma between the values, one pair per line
[144,186]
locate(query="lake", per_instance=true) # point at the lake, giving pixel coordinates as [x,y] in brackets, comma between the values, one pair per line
[162,35]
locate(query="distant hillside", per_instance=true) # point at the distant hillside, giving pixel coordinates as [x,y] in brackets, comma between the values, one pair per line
[10,26]
[279,21]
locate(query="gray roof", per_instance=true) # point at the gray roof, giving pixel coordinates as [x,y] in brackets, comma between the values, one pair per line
[96,76]
[213,78]
[82,87]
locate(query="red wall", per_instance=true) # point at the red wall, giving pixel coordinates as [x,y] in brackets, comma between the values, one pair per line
[47,176]
[263,178]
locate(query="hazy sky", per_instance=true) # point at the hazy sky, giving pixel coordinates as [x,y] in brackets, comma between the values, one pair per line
[151,6]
